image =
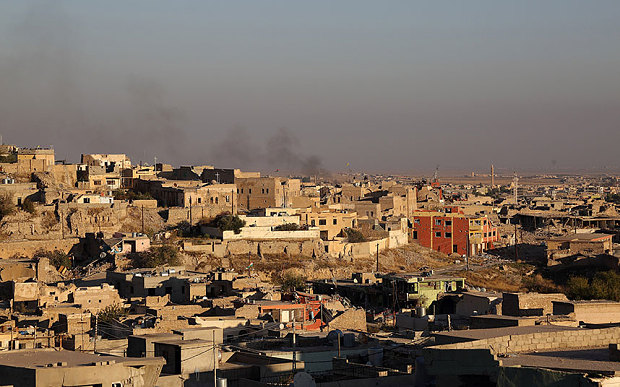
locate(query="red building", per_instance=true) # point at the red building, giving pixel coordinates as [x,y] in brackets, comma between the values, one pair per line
[452,231]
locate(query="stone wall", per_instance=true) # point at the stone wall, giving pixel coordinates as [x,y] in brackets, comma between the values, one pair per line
[590,312]
[541,341]
[529,304]
[28,248]
[350,319]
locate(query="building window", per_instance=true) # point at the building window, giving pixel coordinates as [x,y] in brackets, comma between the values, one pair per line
[437,234]
[322,222]
[199,200]
[97,182]
[455,248]
[335,221]
[415,235]
[267,190]
[448,223]
[313,223]
[416,221]
[448,235]
[262,190]
[437,222]
[227,199]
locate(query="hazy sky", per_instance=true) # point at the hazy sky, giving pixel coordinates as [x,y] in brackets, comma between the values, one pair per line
[397,86]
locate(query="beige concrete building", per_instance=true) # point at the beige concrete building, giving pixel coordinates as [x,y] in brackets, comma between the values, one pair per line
[219,197]
[19,191]
[263,192]
[330,223]
[108,161]
[51,368]
[96,298]
[580,243]
[45,154]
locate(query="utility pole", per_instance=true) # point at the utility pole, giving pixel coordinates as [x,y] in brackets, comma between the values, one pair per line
[338,345]
[214,361]
[82,326]
[468,252]
[95,342]
[294,345]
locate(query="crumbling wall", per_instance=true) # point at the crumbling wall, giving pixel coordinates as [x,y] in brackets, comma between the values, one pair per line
[350,319]
[28,248]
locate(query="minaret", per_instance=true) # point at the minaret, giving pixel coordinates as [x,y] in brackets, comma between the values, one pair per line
[515,182]
[492,176]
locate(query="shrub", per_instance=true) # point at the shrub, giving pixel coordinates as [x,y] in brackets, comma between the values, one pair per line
[156,256]
[6,205]
[354,236]
[130,195]
[111,313]
[57,258]
[28,206]
[287,227]
[604,285]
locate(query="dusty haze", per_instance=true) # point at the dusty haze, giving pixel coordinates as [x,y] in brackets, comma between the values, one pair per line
[384,86]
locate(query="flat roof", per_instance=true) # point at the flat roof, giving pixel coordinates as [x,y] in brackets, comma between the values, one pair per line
[582,237]
[583,360]
[37,358]
[193,343]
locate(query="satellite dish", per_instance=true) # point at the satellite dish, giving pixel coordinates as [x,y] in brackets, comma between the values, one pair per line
[281,326]
[102,255]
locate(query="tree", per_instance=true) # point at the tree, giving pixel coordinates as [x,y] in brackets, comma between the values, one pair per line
[604,285]
[156,256]
[226,222]
[6,205]
[289,282]
[354,236]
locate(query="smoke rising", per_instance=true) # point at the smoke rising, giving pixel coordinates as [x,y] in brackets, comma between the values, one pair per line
[46,96]
[282,151]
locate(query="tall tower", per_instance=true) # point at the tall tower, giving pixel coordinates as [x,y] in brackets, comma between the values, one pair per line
[492,176]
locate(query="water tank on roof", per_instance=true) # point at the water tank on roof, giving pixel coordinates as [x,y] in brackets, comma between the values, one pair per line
[332,336]
[348,340]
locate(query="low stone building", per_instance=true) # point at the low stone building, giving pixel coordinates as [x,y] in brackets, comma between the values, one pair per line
[51,368]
